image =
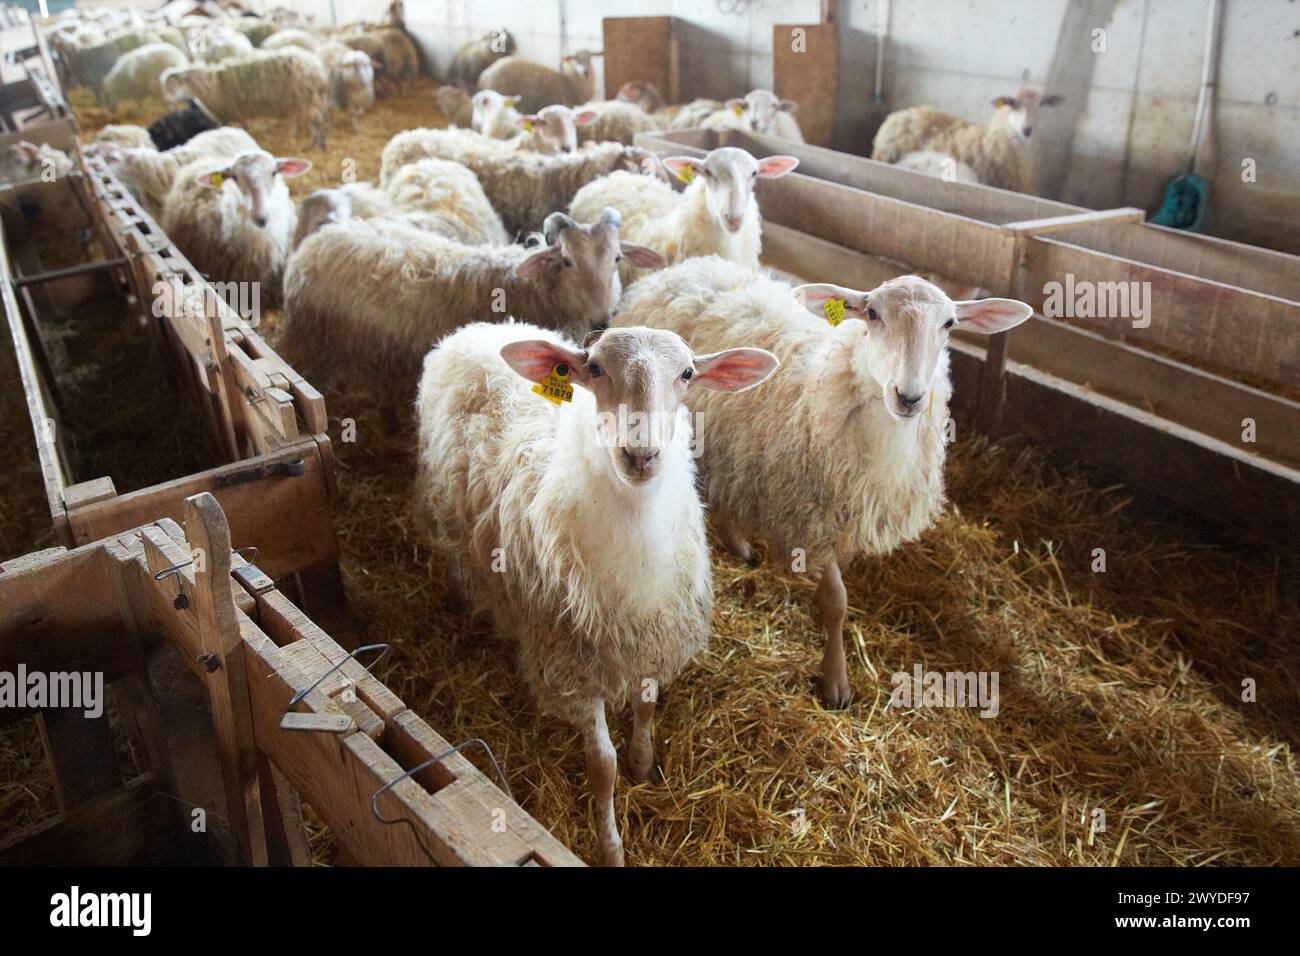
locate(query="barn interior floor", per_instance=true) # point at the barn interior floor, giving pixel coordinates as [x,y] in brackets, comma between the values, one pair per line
[1120,692]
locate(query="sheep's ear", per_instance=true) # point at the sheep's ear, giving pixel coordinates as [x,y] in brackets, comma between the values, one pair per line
[586,117]
[1008,101]
[509,102]
[774,167]
[991,315]
[790,106]
[733,370]
[628,91]
[535,264]
[640,256]
[28,150]
[292,166]
[214,180]
[736,105]
[536,359]
[1055,99]
[830,302]
[527,122]
[683,167]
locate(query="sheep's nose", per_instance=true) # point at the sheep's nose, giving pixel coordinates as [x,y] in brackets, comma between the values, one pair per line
[639,460]
[1028,130]
[907,400]
[260,220]
[733,223]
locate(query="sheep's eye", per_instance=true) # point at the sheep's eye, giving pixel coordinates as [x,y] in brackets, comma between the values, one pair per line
[593,370]
[686,376]
[873,315]
[618,258]
[948,324]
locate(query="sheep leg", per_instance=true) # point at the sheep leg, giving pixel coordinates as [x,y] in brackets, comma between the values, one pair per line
[602,767]
[641,747]
[833,601]
[735,541]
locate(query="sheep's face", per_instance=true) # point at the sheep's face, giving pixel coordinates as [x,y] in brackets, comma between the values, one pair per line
[644,95]
[580,62]
[321,208]
[555,128]
[26,160]
[580,265]
[729,176]
[485,106]
[760,107]
[172,83]
[640,378]
[357,72]
[1021,111]
[255,174]
[904,333]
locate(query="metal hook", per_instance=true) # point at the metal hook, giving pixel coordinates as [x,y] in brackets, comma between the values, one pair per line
[351,654]
[374,800]
[247,547]
[181,602]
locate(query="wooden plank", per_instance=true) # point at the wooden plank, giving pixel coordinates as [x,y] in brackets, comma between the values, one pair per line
[642,49]
[805,65]
[1041,227]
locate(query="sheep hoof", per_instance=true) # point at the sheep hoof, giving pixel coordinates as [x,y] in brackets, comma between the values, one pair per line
[836,691]
[642,769]
[611,854]
[753,560]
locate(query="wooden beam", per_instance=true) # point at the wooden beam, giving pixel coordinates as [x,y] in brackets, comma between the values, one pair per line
[1051,224]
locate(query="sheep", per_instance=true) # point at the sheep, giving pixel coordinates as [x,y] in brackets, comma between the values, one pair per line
[123,134]
[842,453]
[28,168]
[256,29]
[149,173]
[339,204]
[292,37]
[605,583]
[24,160]
[993,150]
[938,164]
[225,44]
[445,198]
[180,126]
[135,75]
[539,85]
[456,105]
[282,83]
[494,114]
[92,63]
[523,187]
[477,55]
[765,112]
[716,214]
[232,218]
[392,52]
[376,294]
[644,95]
[351,79]
[615,121]
[551,130]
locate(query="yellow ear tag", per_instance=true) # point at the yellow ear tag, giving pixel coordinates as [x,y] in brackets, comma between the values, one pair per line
[510,104]
[528,125]
[739,110]
[686,174]
[556,388]
[834,309]
[218,179]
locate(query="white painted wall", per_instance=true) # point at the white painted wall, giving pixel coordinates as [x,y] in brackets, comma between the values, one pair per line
[1131,138]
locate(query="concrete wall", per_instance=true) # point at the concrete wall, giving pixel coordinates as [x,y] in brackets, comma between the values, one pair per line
[1132,121]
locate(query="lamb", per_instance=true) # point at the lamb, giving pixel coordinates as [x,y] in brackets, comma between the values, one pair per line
[615,121]
[765,112]
[539,85]
[494,114]
[123,134]
[995,150]
[445,198]
[841,454]
[717,213]
[292,37]
[225,44]
[149,173]
[523,187]
[351,79]
[391,51]
[135,75]
[25,161]
[283,83]
[180,126]
[551,130]
[605,585]
[644,95]
[456,105]
[933,163]
[378,294]
[477,55]
[232,218]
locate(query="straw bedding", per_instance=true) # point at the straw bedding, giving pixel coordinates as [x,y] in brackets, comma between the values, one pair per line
[1120,691]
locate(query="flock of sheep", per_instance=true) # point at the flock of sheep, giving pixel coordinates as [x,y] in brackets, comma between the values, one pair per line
[562,418]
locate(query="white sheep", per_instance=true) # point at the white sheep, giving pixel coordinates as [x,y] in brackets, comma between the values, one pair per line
[995,150]
[149,173]
[391,51]
[679,116]
[841,454]
[351,79]
[584,541]
[135,74]
[938,164]
[538,85]
[48,209]
[494,114]
[615,121]
[523,187]
[644,95]
[376,294]
[123,134]
[225,43]
[232,218]
[288,83]
[445,198]
[765,112]
[292,37]
[717,214]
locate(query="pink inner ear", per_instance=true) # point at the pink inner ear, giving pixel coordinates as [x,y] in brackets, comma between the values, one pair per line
[585,117]
[535,360]
[775,166]
[737,369]
[292,167]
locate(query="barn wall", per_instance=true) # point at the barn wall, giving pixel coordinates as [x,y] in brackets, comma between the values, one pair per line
[1131,131]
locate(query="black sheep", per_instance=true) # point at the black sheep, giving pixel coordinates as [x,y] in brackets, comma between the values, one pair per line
[180,126]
